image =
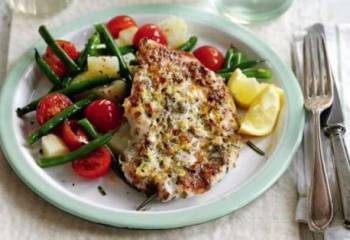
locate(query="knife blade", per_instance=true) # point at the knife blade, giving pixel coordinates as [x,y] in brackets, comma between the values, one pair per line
[332,122]
[333,116]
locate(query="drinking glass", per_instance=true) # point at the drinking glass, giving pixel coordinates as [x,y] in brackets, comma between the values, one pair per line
[248,11]
[37,7]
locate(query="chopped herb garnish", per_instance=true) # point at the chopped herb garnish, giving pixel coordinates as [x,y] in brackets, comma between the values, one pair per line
[101,190]
[147,201]
[255,148]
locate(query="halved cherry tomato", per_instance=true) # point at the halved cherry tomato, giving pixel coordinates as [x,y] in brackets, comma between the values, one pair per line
[210,57]
[119,23]
[72,134]
[93,165]
[150,31]
[54,62]
[104,114]
[50,105]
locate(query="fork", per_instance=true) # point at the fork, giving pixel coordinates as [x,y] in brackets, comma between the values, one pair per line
[318,95]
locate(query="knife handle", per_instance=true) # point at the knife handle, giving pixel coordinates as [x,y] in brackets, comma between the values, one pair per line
[342,165]
[320,203]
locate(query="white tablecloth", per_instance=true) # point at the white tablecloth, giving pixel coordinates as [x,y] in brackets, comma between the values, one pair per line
[23,215]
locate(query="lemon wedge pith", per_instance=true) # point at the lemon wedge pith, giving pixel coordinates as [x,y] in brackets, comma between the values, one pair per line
[279,90]
[263,112]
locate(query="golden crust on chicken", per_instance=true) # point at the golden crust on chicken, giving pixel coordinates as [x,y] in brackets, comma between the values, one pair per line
[183,125]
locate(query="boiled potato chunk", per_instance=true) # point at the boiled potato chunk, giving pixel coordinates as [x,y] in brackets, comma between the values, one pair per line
[126,36]
[175,29]
[103,65]
[52,145]
[119,141]
[100,66]
[115,91]
[243,89]
[120,42]
[129,57]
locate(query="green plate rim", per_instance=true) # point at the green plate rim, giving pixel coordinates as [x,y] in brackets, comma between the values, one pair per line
[255,186]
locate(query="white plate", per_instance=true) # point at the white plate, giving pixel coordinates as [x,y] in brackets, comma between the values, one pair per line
[61,186]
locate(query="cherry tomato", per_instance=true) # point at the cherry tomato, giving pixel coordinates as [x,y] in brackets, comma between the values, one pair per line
[72,134]
[150,31]
[50,105]
[54,62]
[104,114]
[93,165]
[210,57]
[119,23]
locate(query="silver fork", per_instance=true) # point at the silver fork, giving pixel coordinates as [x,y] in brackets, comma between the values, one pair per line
[318,95]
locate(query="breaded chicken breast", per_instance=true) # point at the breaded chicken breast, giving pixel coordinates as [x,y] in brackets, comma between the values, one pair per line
[183,125]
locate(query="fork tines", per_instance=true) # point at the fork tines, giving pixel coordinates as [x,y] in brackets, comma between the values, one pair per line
[316,65]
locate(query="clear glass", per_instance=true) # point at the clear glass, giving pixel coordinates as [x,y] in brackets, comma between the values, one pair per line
[37,7]
[248,11]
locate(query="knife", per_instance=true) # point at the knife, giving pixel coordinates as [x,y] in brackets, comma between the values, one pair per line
[332,122]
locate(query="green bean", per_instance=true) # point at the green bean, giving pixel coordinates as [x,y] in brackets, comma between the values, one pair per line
[115,165]
[60,53]
[189,44]
[82,151]
[224,70]
[249,64]
[126,49]
[69,90]
[66,80]
[85,84]
[81,61]
[228,59]
[237,59]
[28,108]
[134,62]
[123,49]
[58,118]
[225,75]
[95,50]
[113,48]
[46,69]
[88,128]
[262,73]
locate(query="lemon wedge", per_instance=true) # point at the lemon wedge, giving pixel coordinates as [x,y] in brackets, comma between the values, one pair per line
[263,112]
[243,89]
[279,90]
